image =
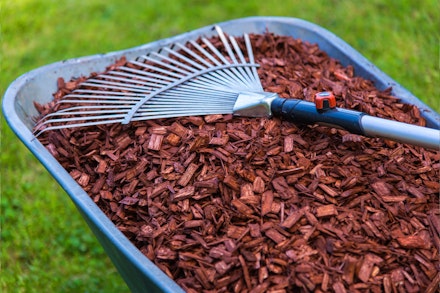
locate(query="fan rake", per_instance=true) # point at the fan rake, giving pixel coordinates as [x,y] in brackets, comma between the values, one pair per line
[198,79]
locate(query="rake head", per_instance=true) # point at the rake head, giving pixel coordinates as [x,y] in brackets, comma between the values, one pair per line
[180,80]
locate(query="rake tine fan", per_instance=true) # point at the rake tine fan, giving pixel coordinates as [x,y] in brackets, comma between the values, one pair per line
[176,81]
[198,79]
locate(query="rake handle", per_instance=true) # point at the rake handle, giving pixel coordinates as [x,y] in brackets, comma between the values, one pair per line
[303,112]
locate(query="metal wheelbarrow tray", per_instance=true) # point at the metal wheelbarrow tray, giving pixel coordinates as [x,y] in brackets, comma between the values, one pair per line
[38,85]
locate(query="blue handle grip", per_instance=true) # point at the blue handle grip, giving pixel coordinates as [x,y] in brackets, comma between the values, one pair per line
[303,112]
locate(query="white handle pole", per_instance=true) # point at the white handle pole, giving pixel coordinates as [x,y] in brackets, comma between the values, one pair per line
[401,132]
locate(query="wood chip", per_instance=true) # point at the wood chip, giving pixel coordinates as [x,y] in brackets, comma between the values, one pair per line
[367,266]
[413,241]
[187,176]
[293,218]
[155,142]
[275,235]
[326,210]
[266,202]
[184,193]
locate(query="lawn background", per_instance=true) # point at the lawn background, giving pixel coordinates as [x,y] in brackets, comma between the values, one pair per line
[45,244]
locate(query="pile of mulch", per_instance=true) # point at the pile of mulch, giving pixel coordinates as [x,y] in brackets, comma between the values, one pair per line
[228,204]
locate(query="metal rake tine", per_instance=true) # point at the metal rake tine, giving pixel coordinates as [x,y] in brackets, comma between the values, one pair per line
[123,86]
[170,114]
[157,69]
[114,102]
[112,114]
[248,44]
[55,127]
[225,81]
[247,73]
[136,77]
[122,94]
[219,82]
[231,53]
[100,97]
[215,76]
[215,63]
[83,118]
[202,50]
[146,75]
[251,72]
[168,65]
[214,80]
[185,97]
[230,80]
[233,73]
[226,44]
[215,51]
[129,81]
[211,85]
[169,104]
[184,58]
[190,89]
[105,86]
[189,68]
[227,76]
[166,105]
[68,111]
[174,61]
[168,87]
[154,75]
[73,111]
[88,96]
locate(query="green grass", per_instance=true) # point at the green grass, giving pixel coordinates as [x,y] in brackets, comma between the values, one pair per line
[45,244]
